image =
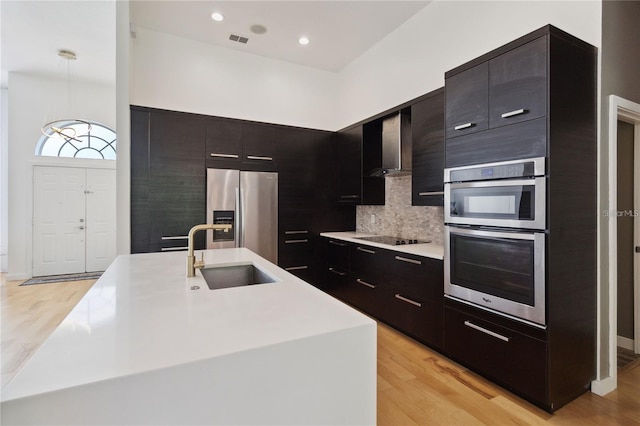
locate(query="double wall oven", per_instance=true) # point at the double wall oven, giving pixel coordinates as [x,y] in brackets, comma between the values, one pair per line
[495,231]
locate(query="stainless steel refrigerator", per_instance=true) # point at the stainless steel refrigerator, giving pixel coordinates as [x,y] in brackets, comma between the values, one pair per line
[249,202]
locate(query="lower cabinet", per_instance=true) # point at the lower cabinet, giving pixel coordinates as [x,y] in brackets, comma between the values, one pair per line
[510,353]
[404,291]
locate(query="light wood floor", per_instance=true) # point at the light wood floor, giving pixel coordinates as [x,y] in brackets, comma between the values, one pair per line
[416,386]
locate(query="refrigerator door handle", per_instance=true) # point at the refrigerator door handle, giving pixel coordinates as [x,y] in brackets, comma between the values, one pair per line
[239,220]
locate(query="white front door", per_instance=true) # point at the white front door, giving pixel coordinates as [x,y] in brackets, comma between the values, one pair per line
[101,219]
[74,220]
[58,221]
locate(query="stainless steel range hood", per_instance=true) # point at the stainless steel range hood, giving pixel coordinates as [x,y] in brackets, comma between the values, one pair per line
[396,146]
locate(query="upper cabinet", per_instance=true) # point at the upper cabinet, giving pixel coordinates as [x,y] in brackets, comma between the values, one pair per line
[240,144]
[357,152]
[467,101]
[518,84]
[427,132]
[499,106]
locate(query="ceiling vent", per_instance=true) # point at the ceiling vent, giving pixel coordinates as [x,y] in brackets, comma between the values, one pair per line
[238,38]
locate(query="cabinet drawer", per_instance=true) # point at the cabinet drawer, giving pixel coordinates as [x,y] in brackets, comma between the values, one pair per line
[364,294]
[367,259]
[512,359]
[419,318]
[335,281]
[416,276]
[338,254]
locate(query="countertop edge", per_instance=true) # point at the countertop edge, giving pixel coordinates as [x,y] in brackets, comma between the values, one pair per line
[429,250]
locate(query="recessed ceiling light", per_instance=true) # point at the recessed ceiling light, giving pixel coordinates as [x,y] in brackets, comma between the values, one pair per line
[303,41]
[217,16]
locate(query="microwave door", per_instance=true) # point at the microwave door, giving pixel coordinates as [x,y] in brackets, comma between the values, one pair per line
[512,203]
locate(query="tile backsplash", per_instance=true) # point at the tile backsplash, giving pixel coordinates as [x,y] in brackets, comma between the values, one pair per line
[398,217]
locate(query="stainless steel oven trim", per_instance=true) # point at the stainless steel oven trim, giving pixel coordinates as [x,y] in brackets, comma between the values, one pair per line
[540,221]
[529,314]
[538,166]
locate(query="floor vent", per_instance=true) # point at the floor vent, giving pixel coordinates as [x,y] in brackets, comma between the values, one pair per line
[238,38]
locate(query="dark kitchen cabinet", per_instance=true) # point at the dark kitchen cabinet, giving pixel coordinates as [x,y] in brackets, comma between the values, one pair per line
[427,130]
[509,353]
[357,152]
[297,199]
[259,147]
[223,143]
[347,154]
[522,91]
[467,101]
[518,84]
[335,267]
[542,103]
[241,145]
[402,290]
[168,179]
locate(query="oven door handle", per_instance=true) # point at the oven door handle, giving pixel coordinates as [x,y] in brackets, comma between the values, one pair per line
[533,236]
[497,183]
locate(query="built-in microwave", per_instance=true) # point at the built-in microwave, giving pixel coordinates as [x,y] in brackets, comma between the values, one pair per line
[496,269]
[507,194]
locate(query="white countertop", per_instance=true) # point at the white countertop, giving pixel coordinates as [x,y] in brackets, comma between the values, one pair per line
[431,250]
[141,316]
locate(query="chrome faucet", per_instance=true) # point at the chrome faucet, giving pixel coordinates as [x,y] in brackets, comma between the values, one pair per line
[192,264]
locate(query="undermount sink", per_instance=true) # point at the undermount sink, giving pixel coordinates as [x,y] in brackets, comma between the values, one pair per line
[218,277]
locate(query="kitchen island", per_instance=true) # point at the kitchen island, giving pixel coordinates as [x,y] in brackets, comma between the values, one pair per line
[146,345]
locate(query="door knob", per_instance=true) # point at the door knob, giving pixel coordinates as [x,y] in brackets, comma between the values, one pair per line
[81,227]
[637,249]
[81,220]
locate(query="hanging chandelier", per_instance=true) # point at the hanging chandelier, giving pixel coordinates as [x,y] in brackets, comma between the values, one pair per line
[66,128]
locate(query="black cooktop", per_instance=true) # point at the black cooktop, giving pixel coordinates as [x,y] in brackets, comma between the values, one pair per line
[392,241]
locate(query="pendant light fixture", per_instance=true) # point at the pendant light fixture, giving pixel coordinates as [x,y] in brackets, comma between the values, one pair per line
[66,128]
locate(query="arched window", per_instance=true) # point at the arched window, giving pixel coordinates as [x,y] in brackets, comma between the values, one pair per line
[77,139]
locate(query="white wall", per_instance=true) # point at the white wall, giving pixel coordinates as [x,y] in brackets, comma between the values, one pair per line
[4,182]
[412,60]
[29,99]
[174,73]
[123,129]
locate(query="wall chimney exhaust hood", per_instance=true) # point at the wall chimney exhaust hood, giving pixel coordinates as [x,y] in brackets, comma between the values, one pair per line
[396,146]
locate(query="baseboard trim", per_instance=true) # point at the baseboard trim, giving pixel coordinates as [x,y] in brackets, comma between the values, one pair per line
[604,386]
[17,277]
[625,342]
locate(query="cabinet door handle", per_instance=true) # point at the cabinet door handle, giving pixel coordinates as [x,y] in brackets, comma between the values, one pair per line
[335,243]
[404,259]
[426,194]
[513,113]
[173,248]
[463,126]
[213,154]
[485,331]
[349,196]
[295,232]
[296,241]
[181,237]
[359,281]
[335,271]
[404,299]
[366,250]
[259,157]
[296,268]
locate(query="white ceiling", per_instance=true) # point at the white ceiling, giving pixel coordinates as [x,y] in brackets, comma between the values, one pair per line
[339,31]
[32,32]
